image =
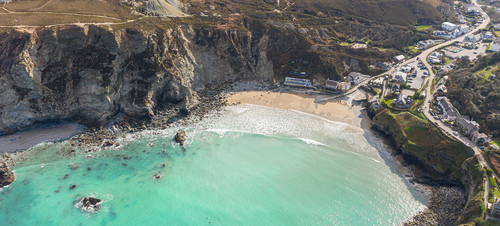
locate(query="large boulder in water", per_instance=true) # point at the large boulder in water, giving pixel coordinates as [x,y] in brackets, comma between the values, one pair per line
[89,204]
[6,175]
[180,137]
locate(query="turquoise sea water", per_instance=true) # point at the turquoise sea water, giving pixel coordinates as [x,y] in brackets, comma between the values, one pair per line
[228,175]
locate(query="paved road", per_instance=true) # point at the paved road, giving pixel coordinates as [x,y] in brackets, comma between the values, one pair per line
[428,90]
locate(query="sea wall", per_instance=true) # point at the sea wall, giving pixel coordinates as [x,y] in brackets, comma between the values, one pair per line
[94,74]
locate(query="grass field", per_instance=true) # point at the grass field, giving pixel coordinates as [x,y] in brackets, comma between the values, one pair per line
[447,60]
[486,72]
[44,20]
[423,27]
[387,102]
[112,8]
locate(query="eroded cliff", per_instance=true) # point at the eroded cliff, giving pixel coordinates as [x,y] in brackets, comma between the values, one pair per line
[92,74]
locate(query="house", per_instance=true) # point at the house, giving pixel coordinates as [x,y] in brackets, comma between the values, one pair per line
[400,77]
[406,68]
[377,83]
[289,81]
[399,58]
[467,127]
[488,35]
[395,88]
[480,138]
[461,19]
[495,212]
[402,102]
[448,26]
[473,38]
[337,86]
[356,78]
[435,57]
[441,88]
[449,112]
[443,71]
[463,28]
[494,47]
[383,65]
[425,44]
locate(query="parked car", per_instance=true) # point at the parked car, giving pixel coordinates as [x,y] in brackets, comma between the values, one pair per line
[429,101]
[455,133]
[426,72]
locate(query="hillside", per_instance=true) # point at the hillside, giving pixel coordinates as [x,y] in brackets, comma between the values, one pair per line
[475,92]
[397,12]
[418,138]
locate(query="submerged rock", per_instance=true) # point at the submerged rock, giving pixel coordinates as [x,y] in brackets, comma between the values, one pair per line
[180,137]
[6,175]
[74,166]
[89,204]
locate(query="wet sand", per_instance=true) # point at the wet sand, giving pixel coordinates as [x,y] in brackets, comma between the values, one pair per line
[24,140]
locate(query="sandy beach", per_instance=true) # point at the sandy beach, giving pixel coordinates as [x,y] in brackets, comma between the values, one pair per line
[24,140]
[335,111]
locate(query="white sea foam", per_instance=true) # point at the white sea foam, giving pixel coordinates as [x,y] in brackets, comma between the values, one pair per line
[310,141]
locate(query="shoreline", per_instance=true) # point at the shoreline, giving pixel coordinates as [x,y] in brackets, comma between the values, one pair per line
[341,111]
[21,141]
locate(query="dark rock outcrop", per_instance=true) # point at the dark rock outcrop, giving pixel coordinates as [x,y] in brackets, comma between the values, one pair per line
[180,137]
[6,175]
[89,204]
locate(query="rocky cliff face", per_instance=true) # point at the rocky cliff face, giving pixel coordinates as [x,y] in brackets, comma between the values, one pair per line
[92,74]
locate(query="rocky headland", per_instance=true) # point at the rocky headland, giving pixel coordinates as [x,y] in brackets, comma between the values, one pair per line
[433,159]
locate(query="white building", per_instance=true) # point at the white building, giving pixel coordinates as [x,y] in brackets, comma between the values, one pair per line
[473,38]
[399,58]
[406,68]
[463,28]
[400,77]
[488,35]
[448,26]
[494,47]
[289,81]
[425,44]
[356,77]
[435,57]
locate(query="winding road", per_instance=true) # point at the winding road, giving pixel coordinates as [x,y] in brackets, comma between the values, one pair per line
[426,107]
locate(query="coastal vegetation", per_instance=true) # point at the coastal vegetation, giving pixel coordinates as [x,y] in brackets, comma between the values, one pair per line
[476,93]
[474,180]
[420,139]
